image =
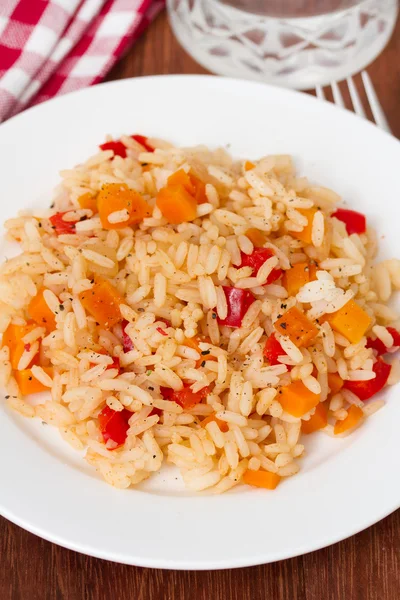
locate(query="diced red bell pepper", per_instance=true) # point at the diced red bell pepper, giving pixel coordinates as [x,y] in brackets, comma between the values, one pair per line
[274,276]
[114,425]
[238,302]
[119,148]
[355,222]
[126,340]
[116,146]
[155,411]
[141,139]
[104,417]
[166,392]
[162,331]
[115,364]
[256,259]
[377,345]
[185,397]
[380,347]
[272,350]
[60,226]
[395,335]
[366,389]
[115,361]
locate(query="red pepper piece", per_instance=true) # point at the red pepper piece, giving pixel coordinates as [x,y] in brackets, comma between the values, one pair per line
[238,302]
[379,346]
[366,389]
[155,411]
[185,397]
[256,259]
[115,364]
[355,222]
[272,350]
[60,226]
[141,139]
[274,276]
[395,335]
[126,340]
[116,146]
[114,425]
[166,392]
[162,331]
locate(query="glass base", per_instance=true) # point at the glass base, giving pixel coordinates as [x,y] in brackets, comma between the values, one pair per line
[297,53]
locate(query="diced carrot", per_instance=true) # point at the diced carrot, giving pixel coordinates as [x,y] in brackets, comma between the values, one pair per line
[221,424]
[296,399]
[351,321]
[296,277]
[115,197]
[318,420]
[261,479]
[192,343]
[176,204]
[28,384]
[193,184]
[89,201]
[12,337]
[102,302]
[335,382]
[257,237]
[354,416]
[199,189]
[41,313]
[297,326]
[305,234]
[181,178]
[312,271]
[248,165]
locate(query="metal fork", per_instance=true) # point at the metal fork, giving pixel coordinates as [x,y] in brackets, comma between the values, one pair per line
[376,108]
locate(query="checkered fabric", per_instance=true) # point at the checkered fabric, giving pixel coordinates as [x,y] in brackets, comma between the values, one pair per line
[51,47]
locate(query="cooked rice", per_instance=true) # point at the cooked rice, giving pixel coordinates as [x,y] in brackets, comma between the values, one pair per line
[172,280]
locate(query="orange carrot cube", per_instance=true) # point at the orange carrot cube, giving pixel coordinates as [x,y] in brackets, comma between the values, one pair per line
[41,313]
[351,321]
[296,399]
[354,416]
[28,384]
[297,326]
[176,204]
[262,479]
[102,302]
[318,420]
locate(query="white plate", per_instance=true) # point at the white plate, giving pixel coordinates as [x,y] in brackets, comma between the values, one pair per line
[344,485]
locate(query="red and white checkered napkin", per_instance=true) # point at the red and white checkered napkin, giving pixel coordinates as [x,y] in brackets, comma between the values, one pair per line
[50,47]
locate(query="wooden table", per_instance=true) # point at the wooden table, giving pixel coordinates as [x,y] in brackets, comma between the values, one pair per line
[364,567]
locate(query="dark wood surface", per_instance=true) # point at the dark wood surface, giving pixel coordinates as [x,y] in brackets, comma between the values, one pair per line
[364,567]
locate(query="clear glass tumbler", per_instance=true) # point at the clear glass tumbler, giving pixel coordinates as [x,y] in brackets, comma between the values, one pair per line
[292,43]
